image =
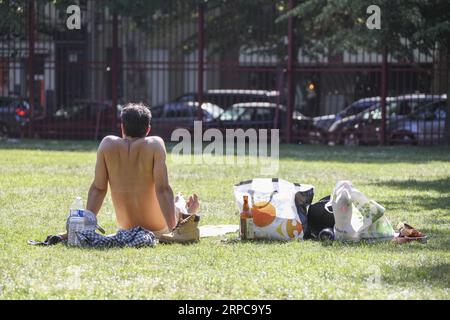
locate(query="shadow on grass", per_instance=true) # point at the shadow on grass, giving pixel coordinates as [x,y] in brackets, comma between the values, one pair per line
[425,203]
[437,239]
[365,154]
[440,185]
[436,275]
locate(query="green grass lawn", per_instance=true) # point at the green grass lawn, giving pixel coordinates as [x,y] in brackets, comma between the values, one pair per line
[39,179]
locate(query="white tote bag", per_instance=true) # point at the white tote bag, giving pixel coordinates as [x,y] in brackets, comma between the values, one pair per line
[358,217]
[279,207]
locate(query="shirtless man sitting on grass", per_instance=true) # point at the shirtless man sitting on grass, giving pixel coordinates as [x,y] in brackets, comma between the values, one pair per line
[135,168]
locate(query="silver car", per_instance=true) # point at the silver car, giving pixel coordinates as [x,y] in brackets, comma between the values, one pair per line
[423,126]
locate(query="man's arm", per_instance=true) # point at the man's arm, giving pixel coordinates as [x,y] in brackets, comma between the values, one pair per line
[163,190]
[99,186]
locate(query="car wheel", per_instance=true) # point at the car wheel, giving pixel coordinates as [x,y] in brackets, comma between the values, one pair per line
[351,139]
[4,131]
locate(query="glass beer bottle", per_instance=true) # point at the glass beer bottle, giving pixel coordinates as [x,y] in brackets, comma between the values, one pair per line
[245,214]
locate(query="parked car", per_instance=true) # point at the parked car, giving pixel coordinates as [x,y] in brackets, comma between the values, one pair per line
[263,115]
[325,122]
[364,127]
[14,115]
[81,119]
[424,126]
[172,116]
[225,98]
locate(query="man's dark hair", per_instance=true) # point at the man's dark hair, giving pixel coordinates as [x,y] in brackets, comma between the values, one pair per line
[136,118]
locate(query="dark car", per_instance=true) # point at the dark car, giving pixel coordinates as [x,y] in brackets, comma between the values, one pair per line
[171,116]
[424,126]
[14,115]
[78,120]
[263,115]
[325,122]
[365,127]
[225,98]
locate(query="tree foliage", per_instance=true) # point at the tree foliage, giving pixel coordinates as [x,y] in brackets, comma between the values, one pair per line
[12,19]
[405,25]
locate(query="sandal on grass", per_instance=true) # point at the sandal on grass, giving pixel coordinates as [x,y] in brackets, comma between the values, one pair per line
[407,233]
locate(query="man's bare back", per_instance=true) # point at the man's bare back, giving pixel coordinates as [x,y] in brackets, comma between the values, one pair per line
[136,171]
[129,167]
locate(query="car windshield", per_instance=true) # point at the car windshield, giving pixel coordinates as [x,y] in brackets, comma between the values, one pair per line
[233,114]
[357,107]
[375,113]
[394,108]
[212,110]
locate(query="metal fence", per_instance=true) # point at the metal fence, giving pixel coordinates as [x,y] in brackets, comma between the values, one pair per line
[194,63]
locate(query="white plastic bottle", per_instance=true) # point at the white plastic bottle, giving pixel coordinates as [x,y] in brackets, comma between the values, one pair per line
[76,221]
[76,207]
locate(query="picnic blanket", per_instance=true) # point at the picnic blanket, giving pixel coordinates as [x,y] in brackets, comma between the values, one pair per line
[139,237]
[136,237]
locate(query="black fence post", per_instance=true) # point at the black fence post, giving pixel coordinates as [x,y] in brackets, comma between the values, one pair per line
[280,88]
[200,58]
[290,75]
[447,70]
[30,62]
[114,70]
[384,64]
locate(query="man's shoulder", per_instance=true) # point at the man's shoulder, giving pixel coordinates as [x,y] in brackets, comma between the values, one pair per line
[151,143]
[110,140]
[154,141]
[155,145]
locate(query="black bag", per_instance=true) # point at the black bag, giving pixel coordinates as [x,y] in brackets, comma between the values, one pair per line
[302,200]
[319,218]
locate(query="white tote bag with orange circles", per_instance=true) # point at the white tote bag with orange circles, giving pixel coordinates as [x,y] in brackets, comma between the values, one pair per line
[279,207]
